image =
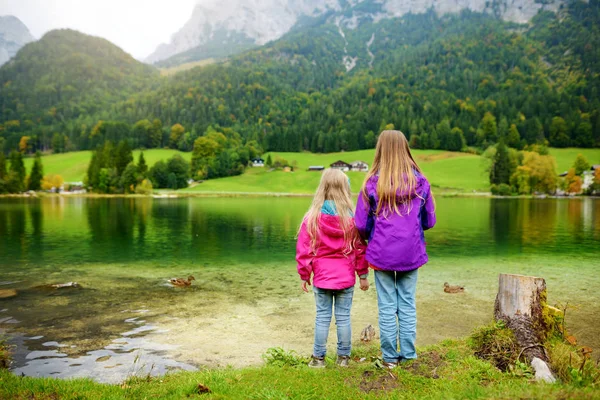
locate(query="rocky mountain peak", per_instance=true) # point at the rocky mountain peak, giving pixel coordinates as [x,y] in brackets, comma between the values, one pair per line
[13,35]
[226,23]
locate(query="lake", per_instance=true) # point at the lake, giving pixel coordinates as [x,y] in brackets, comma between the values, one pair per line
[126,319]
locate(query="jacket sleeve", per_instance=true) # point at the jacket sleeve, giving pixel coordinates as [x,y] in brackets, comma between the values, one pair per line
[363,218]
[428,210]
[360,249]
[304,255]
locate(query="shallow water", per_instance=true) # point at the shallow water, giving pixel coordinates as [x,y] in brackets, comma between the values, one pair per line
[127,320]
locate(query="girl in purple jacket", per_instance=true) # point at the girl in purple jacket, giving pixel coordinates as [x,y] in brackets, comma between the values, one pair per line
[394,208]
[330,250]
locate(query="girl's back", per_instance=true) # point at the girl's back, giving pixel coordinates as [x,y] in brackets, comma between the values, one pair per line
[395,207]
[396,240]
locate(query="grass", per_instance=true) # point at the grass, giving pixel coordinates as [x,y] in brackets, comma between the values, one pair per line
[73,166]
[445,371]
[458,172]
[566,157]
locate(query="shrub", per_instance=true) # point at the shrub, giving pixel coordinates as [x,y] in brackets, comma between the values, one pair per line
[504,189]
[279,357]
[144,188]
[496,344]
[501,190]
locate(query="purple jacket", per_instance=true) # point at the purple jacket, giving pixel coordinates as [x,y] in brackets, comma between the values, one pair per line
[396,243]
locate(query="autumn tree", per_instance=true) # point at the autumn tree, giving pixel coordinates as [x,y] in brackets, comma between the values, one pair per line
[52,181]
[520,180]
[177,132]
[542,172]
[573,182]
[24,144]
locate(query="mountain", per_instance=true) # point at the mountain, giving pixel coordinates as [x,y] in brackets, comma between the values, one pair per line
[220,28]
[66,76]
[458,81]
[13,35]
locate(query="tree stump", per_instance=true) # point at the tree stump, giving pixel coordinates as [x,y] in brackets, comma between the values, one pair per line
[520,303]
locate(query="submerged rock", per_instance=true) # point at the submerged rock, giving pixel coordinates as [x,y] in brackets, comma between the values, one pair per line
[7,293]
[60,286]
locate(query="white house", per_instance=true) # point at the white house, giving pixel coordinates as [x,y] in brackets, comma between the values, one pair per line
[341,165]
[359,166]
[258,162]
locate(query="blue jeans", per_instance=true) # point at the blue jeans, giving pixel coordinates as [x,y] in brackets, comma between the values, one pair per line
[325,299]
[397,314]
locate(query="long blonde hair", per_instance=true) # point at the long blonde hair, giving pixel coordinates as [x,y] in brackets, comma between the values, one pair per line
[396,168]
[334,186]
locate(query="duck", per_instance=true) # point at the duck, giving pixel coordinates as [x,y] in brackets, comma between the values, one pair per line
[367,334]
[181,281]
[453,289]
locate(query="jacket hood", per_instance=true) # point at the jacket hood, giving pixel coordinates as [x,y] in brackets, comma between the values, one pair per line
[330,225]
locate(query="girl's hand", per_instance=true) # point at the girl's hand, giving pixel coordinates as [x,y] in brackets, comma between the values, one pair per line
[364,284]
[305,285]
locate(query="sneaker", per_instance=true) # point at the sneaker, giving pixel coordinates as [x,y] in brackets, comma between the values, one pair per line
[389,365]
[317,362]
[343,361]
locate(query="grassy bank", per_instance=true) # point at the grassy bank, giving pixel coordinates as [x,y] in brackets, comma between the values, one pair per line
[445,371]
[447,171]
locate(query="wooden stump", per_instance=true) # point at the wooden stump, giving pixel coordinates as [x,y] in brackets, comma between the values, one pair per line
[520,303]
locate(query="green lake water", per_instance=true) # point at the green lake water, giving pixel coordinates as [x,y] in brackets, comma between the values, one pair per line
[126,319]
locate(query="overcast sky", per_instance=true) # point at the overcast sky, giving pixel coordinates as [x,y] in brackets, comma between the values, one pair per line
[137,26]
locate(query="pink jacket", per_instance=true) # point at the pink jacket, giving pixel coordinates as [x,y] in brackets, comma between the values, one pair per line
[332,269]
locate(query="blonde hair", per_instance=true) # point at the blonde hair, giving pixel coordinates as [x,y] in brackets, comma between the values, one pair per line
[334,186]
[396,168]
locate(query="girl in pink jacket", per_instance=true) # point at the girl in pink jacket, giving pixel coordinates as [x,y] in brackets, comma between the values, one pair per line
[330,249]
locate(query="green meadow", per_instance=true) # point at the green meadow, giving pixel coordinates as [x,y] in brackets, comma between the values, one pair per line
[73,166]
[459,172]
[446,371]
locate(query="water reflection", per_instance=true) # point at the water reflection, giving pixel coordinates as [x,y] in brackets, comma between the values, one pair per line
[210,231]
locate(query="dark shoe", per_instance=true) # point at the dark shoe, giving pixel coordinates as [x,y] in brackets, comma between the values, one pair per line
[317,362]
[343,361]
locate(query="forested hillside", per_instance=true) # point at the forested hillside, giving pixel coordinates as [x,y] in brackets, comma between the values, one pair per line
[64,83]
[448,82]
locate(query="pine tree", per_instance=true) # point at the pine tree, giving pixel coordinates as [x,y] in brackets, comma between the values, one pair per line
[501,168]
[514,138]
[123,156]
[93,171]
[269,162]
[37,173]
[142,167]
[2,166]
[17,168]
